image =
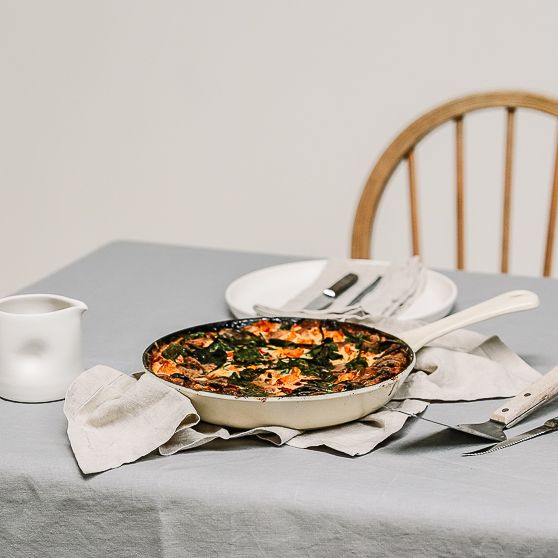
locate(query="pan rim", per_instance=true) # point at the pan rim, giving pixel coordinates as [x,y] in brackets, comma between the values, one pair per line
[224,323]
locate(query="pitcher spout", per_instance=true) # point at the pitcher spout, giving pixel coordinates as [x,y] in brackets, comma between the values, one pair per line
[76,305]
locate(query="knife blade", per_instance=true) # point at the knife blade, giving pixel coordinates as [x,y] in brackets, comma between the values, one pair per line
[326,298]
[550,425]
[366,291]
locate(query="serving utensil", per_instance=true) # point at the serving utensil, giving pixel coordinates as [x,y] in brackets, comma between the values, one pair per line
[550,425]
[326,298]
[511,412]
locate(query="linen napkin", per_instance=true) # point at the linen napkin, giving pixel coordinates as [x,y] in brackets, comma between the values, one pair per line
[399,287]
[461,366]
[114,418]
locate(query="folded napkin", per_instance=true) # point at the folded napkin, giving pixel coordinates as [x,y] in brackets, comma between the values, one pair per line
[114,418]
[398,289]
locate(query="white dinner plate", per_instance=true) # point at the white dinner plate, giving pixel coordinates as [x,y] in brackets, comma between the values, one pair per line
[274,286]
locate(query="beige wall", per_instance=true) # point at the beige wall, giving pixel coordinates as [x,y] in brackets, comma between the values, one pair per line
[253,124]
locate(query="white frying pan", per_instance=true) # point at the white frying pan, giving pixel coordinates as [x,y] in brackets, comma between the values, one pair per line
[318,411]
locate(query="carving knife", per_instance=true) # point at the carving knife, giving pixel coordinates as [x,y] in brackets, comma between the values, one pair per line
[549,426]
[326,298]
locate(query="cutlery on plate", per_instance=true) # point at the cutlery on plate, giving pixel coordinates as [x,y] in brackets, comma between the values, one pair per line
[327,297]
[511,412]
[367,290]
[352,313]
[550,425]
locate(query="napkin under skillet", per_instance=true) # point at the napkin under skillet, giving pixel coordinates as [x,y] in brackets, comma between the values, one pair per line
[114,418]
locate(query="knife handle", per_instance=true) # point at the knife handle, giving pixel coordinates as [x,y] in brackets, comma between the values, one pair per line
[341,286]
[529,399]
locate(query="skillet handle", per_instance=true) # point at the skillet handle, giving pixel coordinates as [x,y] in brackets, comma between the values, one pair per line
[511,301]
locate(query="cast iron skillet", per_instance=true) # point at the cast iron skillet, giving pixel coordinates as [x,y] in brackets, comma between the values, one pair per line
[318,411]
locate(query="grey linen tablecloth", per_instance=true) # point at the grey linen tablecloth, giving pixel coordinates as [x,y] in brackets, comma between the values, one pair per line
[415,496]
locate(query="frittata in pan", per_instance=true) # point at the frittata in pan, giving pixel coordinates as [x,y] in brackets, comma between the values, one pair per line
[280,358]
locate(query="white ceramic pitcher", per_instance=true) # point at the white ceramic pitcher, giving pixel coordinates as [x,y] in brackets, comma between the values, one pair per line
[40,346]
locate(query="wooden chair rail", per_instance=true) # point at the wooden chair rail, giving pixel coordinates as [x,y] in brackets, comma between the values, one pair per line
[459,194]
[403,147]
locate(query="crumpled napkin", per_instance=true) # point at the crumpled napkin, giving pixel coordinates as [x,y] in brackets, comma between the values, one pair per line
[401,284]
[115,419]
[355,438]
[461,366]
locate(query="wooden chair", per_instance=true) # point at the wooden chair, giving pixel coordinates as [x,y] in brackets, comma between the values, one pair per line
[403,147]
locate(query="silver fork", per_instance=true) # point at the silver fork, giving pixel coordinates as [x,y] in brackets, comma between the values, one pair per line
[354,313]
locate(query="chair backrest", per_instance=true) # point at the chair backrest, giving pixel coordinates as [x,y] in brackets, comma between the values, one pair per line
[403,148]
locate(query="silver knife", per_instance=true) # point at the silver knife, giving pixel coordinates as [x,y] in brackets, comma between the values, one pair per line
[366,291]
[550,425]
[327,296]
